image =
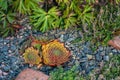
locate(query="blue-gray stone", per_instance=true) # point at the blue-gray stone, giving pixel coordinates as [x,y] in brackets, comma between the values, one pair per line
[14,67]
[13,47]
[101,48]
[1,57]
[66,37]
[4,49]
[88,69]
[5,53]
[6,40]
[83,59]
[83,65]
[87,50]
[1,40]
[13,59]
[6,68]
[106,58]
[114,51]
[98,57]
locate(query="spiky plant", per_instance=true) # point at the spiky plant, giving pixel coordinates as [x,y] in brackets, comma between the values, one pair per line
[31,56]
[54,53]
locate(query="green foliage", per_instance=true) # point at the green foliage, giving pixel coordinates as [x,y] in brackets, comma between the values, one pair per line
[112,69]
[60,74]
[4,4]
[117,1]
[67,14]
[86,16]
[43,20]
[4,32]
[70,21]
[6,18]
[25,6]
[105,22]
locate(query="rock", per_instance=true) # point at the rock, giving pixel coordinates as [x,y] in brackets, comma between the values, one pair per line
[13,47]
[1,72]
[115,42]
[89,57]
[6,68]
[106,58]
[62,38]
[98,57]
[29,74]
[5,73]
[101,77]
[4,49]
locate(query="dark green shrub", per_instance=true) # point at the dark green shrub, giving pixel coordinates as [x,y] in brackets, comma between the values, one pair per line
[6,18]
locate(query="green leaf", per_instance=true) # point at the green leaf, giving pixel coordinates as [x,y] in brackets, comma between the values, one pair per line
[4,23]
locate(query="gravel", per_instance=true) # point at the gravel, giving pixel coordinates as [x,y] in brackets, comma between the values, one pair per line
[11,62]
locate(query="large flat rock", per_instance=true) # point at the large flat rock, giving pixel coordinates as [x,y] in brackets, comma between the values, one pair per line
[115,42]
[30,74]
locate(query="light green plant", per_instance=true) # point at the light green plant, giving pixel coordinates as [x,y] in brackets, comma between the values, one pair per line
[86,15]
[70,21]
[117,1]
[43,20]
[25,6]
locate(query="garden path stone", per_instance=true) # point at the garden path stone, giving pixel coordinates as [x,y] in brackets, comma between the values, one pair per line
[29,74]
[115,42]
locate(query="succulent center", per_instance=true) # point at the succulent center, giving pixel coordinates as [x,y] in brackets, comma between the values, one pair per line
[57,52]
[31,57]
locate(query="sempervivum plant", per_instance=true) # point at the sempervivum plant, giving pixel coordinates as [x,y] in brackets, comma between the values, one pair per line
[31,56]
[54,53]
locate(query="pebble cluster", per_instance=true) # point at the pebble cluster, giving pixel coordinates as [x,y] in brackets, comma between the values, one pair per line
[11,62]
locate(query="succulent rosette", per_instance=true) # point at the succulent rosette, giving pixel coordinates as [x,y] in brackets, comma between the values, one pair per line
[31,56]
[54,53]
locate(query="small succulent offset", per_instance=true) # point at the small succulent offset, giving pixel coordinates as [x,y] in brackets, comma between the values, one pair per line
[31,56]
[54,53]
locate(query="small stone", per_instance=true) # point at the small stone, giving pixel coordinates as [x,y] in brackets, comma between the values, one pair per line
[6,68]
[5,73]
[30,74]
[102,53]
[101,48]
[89,57]
[110,54]
[4,43]
[4,49]
[101,77]
[114,51]
[62,38]
[13,47]
[84,59]
[9,51]
[106,58]
[1,72]
[98,57]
